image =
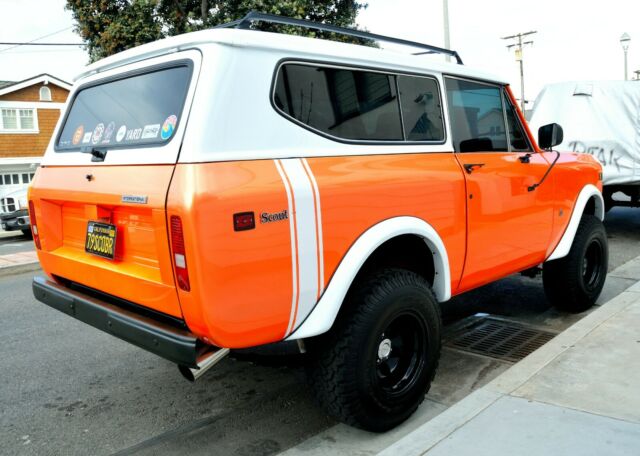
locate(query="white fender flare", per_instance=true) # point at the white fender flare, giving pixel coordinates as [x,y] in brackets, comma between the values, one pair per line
[589,191]
[324,314]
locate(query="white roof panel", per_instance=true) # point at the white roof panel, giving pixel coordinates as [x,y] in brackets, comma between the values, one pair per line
[313,48]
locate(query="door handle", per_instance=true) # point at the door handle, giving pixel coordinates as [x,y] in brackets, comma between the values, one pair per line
[471,167]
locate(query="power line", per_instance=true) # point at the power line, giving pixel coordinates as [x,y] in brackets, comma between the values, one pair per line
[14,44]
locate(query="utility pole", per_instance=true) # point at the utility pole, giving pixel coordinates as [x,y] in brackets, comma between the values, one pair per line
[447,37]
[518,44]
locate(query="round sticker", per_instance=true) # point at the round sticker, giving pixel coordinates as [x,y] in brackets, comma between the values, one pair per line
[121,132]
[108,132]
[97,133]
[168,126]
[77,136]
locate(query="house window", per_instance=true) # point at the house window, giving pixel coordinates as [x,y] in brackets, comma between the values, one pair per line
[9,119]
[9,179]
[26,119]
[18,119]
[45,93]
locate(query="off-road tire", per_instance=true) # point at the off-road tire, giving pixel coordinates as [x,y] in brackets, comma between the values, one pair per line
[345,370]
[573,283]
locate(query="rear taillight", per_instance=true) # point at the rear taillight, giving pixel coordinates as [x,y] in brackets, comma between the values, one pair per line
[179,257]
[34,225]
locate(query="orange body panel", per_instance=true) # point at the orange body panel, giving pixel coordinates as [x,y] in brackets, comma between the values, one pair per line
[509,226]
[65,200]
[241,281]
[572,172]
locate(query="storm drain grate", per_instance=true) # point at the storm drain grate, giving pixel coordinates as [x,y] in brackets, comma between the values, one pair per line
[500,339]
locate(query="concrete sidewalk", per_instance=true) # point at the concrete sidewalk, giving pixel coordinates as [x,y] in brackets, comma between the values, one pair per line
[15,263]
[578,394]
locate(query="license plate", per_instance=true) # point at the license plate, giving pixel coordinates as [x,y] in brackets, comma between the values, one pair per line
[101,239]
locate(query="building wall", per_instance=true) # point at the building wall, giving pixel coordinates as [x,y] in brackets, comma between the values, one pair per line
[30,144]
[32,93]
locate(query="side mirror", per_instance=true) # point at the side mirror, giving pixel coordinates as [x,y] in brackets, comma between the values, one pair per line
[550,135]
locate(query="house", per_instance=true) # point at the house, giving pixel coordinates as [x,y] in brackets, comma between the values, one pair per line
[29,111]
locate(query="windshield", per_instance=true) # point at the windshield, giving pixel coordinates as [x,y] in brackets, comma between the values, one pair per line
[139,110]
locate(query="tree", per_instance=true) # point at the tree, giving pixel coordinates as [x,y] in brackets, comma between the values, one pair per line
[110,26]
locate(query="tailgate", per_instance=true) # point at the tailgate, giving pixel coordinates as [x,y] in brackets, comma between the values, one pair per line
[110,162]
[66,199]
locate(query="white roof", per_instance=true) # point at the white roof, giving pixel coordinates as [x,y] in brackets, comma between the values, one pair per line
[290,45]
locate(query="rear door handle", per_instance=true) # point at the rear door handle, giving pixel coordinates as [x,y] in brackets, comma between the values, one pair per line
[471,167]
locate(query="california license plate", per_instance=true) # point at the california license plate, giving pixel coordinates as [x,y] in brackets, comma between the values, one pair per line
[101,239]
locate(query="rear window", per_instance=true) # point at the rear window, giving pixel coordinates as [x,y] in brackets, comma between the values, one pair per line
[139,110]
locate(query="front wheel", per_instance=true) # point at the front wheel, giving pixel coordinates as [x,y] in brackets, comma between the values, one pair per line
[573,283]
[373,369]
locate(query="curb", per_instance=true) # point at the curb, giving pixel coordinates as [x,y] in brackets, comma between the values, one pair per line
[427,436]
[19,268]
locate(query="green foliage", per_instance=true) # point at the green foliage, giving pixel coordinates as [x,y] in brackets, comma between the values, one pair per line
[110,26]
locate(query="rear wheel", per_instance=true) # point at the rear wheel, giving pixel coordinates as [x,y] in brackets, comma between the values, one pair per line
[373,369]
[573,283]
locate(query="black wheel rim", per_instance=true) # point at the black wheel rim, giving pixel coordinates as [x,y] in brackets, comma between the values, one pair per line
[400,356]
[592,267]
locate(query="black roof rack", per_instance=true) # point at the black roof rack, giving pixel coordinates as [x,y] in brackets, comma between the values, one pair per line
[253,16]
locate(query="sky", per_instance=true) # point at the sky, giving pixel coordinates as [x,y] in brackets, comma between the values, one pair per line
[576,39]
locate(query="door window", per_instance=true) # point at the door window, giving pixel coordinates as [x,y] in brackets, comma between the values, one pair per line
[517,137]
[476,115]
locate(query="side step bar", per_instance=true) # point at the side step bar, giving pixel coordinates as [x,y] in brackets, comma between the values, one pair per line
[169,342]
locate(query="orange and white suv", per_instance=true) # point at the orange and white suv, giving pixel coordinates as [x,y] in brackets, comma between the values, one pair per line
[231,188]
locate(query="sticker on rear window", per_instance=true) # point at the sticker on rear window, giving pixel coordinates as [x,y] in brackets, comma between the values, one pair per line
[97,133]
[121,132]
[150,131]
[77,135]
[140,110]
[168,126]
[87,137]
[108,133]
[134,134]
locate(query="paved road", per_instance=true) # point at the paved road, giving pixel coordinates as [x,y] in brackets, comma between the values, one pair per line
[66,388]
[14,242]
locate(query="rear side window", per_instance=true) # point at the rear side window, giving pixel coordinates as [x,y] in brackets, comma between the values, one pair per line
[348,104]
[360,105]
[421,108]
[139,110]
[477,117]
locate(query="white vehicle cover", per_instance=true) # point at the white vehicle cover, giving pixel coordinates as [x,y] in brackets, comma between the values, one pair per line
[601,118]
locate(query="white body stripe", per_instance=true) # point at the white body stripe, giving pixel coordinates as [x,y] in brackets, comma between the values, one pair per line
[294,261]
[306,237]
[318,226]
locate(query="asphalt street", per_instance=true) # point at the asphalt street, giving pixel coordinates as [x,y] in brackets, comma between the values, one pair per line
[66,388]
